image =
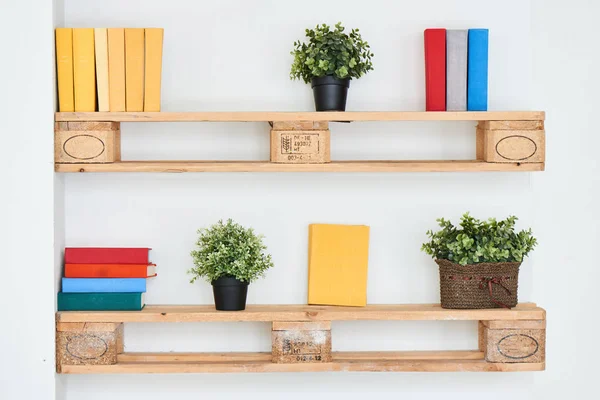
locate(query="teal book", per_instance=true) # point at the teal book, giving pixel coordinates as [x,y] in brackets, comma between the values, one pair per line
[100,301]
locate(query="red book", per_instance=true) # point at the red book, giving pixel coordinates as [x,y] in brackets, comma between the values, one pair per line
[435,69]
[100,255]
[110,270]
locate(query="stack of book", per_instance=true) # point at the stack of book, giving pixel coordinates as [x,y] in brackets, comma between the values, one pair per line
[105,279]
[456,69]
[121,67]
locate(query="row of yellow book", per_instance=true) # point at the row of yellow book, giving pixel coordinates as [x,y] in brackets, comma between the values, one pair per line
[119,67]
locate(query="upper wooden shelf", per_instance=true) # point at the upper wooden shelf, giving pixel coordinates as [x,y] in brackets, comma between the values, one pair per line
[268,116]
[268,313]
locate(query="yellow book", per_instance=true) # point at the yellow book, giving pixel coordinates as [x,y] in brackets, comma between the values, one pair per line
[154,49]
[134,69]
[338,258]
[84,69]
[101,42]
[64,69]
[116,69]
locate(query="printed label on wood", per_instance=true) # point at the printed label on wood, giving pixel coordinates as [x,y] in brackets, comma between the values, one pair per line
[515,345]
[300,146]
[299,346]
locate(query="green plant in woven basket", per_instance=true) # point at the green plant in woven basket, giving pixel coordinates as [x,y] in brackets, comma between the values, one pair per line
[331,52]
[229,250]
[478,241]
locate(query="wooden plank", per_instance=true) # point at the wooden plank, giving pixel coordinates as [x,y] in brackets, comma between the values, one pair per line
[149,357]
[302,326]
[300,125]
[481,335]
[522,324]
[342,365]
[512,125]
[262,116]
[336,166]
[292,313]
[94,126]
[86,326]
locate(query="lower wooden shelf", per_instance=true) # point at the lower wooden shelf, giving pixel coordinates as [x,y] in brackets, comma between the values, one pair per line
[403,361]
[92,342]
[336,166]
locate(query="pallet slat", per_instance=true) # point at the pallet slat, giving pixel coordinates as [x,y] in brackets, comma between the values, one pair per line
[269,116]
[336,166]
[292,313]
[443,361]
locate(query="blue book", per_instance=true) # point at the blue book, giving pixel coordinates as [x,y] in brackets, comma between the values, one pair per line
[477,74]
[103,285]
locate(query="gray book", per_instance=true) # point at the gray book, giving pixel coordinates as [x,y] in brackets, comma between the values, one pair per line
[456,69]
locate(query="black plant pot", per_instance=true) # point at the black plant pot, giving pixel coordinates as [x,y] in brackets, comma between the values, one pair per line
[230,294]
[330,93]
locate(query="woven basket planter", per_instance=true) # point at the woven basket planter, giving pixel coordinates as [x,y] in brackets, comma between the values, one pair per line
[484,285]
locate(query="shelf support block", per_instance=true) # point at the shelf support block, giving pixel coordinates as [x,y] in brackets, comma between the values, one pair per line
[511,141]
[87,142]
[300,142]
[301,342]
[88,343]
[518,341]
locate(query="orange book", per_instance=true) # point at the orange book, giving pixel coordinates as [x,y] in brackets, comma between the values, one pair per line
[110,270]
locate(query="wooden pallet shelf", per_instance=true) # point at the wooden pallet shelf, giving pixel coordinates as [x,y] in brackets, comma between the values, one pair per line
[270,116]
[300,142]
[91,342]
[266,166]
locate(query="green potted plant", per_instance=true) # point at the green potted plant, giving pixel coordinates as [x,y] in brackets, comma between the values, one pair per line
[479,261]
[229,256]
[329,60]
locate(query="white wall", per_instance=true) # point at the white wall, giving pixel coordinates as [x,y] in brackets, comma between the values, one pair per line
[27,296]
[233,55]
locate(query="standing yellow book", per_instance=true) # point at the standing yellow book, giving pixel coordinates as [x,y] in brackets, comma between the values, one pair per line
[154,49]
[84,69]
[338,259]
[101,42]
[64,69]
[134,69]
[116,69]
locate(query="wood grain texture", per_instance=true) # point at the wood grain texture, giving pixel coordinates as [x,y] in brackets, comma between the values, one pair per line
[512,125]
[293,313]
[300,147]
[299,125]
[266,116]
[520,324]
[515,345]
[85,348]
[303,326]
[335,166]
[343,361]
[87,326]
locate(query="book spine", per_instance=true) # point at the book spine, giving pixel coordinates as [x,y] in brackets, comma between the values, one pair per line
[134,69]
[477,86]
[116,69]
[101,45]
[84,69]
[99,255]
[104,285]
[64,69]
[105,271]
[435,69]
[99,301]
[456,70]
[153,68]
